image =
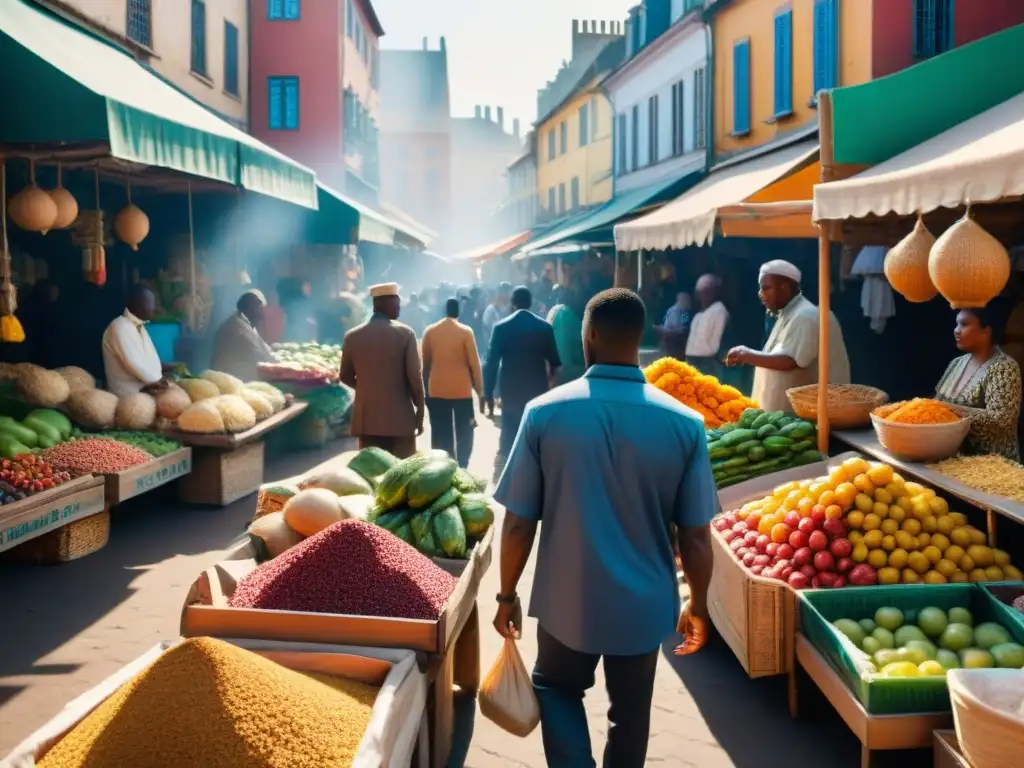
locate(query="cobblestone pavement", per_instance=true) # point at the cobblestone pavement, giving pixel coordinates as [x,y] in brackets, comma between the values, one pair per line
[68,627]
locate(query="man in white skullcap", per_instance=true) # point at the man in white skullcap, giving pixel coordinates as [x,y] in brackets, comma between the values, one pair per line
[239,348]
[790,356]
[381,362]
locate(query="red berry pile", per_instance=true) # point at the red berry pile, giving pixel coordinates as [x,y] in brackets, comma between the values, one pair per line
[26,474]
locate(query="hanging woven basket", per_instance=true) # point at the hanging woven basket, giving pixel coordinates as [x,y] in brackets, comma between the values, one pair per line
[968,266]
[906,265]
[32,209]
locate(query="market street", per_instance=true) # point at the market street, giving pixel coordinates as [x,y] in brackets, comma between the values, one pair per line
[68,627]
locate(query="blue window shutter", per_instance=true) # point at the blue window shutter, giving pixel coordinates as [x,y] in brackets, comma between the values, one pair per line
[274,105]
[741,87]
[291,9]
[275,9]
[230,58]
[826,46]
[783,62]
[291,103]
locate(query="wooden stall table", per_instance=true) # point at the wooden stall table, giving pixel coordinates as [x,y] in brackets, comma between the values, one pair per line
[227,467]
[866,441]
[136,481]
[56,525]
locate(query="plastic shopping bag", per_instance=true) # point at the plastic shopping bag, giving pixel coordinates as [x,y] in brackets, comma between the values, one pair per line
[506,695]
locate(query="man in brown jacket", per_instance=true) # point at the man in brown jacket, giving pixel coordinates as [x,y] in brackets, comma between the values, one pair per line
[381,362]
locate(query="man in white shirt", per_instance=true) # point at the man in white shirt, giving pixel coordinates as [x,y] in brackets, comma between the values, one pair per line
[496,311]
[131,361]
[790,356]
[707,327]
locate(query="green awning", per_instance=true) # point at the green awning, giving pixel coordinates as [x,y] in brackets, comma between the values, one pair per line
[64,84]
[599,220]
[880,119]
[542,231]
[344,220]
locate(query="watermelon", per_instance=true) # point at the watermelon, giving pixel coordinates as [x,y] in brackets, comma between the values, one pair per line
[476,512]
[394,519]
[420,525]
[445,500]
[427,544]
[450,533]
[466,483]
[394,484]
[431,482]
[370,463]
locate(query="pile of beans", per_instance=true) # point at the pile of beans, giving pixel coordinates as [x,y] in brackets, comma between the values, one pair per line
[352,568]
[94,454]
[205,702]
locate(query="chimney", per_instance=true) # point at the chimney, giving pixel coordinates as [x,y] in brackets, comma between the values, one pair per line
[602,26]
[425,46]
[575,26]
[476,111]
[487,113]
[444,45]
[515,127]
[500,117]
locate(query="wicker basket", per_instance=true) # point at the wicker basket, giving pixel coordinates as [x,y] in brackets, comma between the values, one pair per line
[921,442]
[69,542]
[987,734]
[849,405]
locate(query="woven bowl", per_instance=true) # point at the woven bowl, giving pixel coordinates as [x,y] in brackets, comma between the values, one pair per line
[849,407]
[921,442]
[988,734]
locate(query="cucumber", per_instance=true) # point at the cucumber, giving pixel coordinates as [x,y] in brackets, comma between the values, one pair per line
[777,416]
[748,417]
[725,429]
[767,431]
[738,436]
[760,421]
[797,430]
[757,454]
[803,445]
[745,446]
[720,453]
[739,461]
[807,457]
[20,432]
[777,441]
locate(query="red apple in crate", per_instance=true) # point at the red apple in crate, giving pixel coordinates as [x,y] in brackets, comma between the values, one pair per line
[792,518]
[786,573]
[817,541]
[762,543]
[740,527]
[728,536]
[808,571]
[780,532]
[756,570]
[834,527]
[750,538]
[748,559]
[720,523]
[807,526]
[772,550]
[736,544]
[818,514]
[827,580]
[785,551]
[844,565]
[742,551]
[762,560]
[731,517]
[863,575]
[816,582]
[782,564]
[798,580]
[753,520]
[797,539]
[823,561]
[841,548]
[840,582]
[803,556]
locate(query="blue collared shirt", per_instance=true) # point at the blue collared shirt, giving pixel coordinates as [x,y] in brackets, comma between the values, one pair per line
[607,462]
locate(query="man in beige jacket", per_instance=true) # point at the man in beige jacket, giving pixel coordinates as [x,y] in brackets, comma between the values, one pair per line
[451,368]
[381,362]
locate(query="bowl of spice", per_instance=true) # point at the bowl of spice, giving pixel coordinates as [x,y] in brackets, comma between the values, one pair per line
[920,429]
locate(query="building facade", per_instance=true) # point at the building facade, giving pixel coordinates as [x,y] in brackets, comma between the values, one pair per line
[200,46]
[574,142]
[589,38]
[314,87]
[660,99]
[415,138]
[772,57]
[522,207]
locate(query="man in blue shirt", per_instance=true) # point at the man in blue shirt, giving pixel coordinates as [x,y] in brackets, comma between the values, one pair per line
[608,462]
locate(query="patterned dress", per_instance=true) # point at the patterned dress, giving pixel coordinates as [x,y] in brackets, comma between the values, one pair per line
[995,390]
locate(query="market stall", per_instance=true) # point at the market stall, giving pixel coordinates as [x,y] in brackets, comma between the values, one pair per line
[57,525]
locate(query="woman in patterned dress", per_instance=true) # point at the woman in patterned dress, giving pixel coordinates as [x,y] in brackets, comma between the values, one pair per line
[984,384]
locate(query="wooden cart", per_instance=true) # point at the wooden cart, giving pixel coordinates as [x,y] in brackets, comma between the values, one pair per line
[57,525]
[135,481]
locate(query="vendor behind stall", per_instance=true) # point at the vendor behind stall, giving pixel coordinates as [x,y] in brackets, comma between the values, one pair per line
[239,348]
[790,356]
[130,360]
[986,385]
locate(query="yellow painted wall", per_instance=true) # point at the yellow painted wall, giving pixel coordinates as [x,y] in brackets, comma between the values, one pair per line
[754,19]
[592,164]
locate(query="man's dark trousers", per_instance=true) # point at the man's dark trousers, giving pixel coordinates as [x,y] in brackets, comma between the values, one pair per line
[451,427]
[562,676]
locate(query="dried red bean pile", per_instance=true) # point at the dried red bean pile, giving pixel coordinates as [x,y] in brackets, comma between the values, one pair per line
[94,454]
[354,568]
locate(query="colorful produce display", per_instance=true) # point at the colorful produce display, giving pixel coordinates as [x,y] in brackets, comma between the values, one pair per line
[929,642]
[353,568]
[327,402]
[308,363]
[992,474]
[875,526]
[25,475]
[42,428]
[917,411]
[760,443]
[429,502]
[94,454]
[153,444]
[718,403]
[207,702]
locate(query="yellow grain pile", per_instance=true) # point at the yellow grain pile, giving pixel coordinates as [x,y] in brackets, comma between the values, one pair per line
[920,410]
[207,703]
[989,474]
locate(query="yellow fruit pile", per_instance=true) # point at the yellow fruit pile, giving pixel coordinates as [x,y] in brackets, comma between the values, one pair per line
[907,533]
[920,410]
[718,403]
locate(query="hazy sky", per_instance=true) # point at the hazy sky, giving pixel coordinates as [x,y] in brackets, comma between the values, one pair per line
[499,53]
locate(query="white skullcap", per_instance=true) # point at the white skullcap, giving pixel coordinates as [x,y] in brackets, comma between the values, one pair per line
[383,289]
[779,267]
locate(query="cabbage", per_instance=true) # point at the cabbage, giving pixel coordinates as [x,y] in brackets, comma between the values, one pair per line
[92,408]
[136,411]
[38,386]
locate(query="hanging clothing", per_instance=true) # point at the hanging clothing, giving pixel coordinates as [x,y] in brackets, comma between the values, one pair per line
[877,299]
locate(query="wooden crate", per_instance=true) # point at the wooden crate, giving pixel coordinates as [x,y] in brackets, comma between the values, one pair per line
[221,476]
[133,482]
[58,525]
[946,750]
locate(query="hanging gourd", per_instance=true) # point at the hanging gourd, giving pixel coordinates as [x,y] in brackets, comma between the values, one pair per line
[67,206]
[906,265]
[131,225]
[968,266]
[11,331]
[91,240]
[32,209]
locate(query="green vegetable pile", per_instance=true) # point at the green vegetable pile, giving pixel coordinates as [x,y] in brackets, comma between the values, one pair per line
[760,443]
[427,500]
[328,402]
[153,444]
[40,429]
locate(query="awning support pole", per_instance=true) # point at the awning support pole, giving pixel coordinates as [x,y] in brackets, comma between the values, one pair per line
[615,278]
[827,159]
[191,263]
